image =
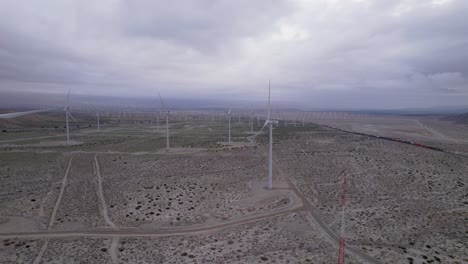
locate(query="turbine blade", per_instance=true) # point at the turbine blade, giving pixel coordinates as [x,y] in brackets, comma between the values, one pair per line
[161,100]
[70,115]
[266,123]
[16,114]
[259,131]
[68,98]
[269,82]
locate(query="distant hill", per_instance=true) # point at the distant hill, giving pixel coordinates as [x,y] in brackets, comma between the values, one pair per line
[459,119]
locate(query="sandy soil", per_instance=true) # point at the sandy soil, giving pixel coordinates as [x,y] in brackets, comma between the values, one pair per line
[123,198]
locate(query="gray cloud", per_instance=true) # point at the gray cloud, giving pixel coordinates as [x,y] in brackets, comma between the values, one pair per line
[206,25]
[379,50]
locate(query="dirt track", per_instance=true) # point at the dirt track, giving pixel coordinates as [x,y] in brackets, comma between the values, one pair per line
[299,203]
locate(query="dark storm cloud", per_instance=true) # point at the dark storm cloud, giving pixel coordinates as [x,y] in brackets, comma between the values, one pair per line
[379,50]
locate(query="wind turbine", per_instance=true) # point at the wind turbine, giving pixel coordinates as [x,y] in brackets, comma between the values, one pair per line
[98,125]
[270,153]
[157,118]
[229,113]
[251,121]
[67,114]
[166,115]
[270,124]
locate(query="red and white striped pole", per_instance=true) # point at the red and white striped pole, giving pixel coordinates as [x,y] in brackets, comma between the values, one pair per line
[341,250]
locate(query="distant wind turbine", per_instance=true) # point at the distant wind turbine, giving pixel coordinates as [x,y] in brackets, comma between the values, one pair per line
[229,113]
[157,119]
[166,115]
[270,152]
[251,121]
[98,126]
[67,115]
[269,122]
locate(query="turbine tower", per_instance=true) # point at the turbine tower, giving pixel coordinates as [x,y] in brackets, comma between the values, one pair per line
[98,126]
[270,124]
[251,121]
[67,108]
[167,129]
[67,115]
[229,113]
[157,119]
[270,148]
[166,115]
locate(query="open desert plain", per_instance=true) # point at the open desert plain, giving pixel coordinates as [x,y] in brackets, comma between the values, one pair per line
[119,195]
[245,132]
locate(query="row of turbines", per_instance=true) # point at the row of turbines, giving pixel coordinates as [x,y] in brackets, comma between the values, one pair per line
[165,112]
[288,118]
[165,115]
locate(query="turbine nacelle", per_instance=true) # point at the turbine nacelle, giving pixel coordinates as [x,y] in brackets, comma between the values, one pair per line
[273,122]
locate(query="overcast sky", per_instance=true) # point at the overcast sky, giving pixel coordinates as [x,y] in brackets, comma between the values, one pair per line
[319,53]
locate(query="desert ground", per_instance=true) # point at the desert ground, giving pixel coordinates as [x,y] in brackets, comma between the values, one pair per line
[428,130]
[119,196]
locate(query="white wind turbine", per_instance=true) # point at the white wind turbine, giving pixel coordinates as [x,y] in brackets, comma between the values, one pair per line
[157,117]
[98,125]
[270,124]
[166,115]
[67,114]
[229,113]
[251,121]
